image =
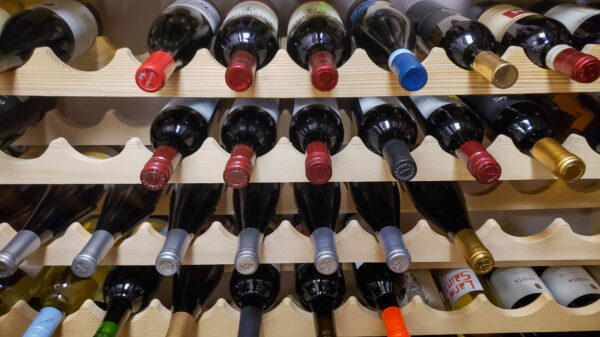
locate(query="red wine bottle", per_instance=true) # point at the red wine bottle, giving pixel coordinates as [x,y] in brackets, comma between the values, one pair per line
[316,130]
[582,22]
[388,37]
[124,207]
[18,113]
[254,208]
[254,294]
[191,205]
[318,42]
[383,290]
[527,124]
[459,132]
[249,130]
[60,206]
[247,41]
[468,44]
[545,40]
[319,206]
[183,27]
[191,287]
[177,132]
[387,129]
[18,201]
[320,294]
[68,27]
[127,290]
[379,204]
[442,203]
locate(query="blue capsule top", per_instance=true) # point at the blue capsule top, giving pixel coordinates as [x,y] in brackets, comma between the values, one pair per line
[45,323]
[410,72]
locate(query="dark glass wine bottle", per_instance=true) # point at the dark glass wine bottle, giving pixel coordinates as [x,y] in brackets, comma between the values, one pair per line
[191,205]
[515,287]
[379,204]
[386,128]
[18,113]
[316,129]
[546,41]
[527,124]
[442,203]
[582,22]
[319,206]
[320,294]
[68,27]
[317,41]
[191,287]
[254,208]
[253,294]
[469,44]
[8,8]
[18,201]
[459,132]
[177,132]
[249,130]
[383,290]
[127,290]
[183,27]
[247,41]
[387,36]
[125,206]
[60,206]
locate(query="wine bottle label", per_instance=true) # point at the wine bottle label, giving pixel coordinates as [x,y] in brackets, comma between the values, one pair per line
[571,15]
[428,104]
[80,20]
[311,9]
[270,105]
[500,17]
[569,283]
[301,103]
[4,16]
[512,284]
[256,9]
[368,103]
[436,23]
[201,7]
[204,106]
[570,104]
[456,283]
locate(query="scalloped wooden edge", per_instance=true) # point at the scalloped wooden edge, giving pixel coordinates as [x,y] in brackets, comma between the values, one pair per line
[557,244]
[45,74]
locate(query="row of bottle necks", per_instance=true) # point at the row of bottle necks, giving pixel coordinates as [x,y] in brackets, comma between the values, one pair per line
[122,291]
[319,40]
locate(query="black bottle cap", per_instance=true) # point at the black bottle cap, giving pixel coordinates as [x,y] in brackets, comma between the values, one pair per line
[398,157]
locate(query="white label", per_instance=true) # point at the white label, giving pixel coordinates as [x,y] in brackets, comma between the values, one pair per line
[256,9]
[4,16]
[80,20]
[300,103]
[512,284]
[499,18]
[201,7]
[571,15]
[204,106]
[368,103]
[270,105]
[358,264]
[459,282]
[447,23]
[310,9]
[428,104]
[569,283]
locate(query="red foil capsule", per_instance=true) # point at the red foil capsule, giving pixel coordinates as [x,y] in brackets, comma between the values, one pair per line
[158,170]
[580,67]
[238,169]
[318,163]
[480,163]
[323,72]
[152,75]
[240,71]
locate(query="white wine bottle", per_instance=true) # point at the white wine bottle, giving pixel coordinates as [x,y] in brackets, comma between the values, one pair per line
[515,288]
[459,287]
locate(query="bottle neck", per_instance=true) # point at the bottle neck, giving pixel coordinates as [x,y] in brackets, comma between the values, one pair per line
[117,313]
[250,319]
[563,163]
[325,325]
[387,300]
[477,255]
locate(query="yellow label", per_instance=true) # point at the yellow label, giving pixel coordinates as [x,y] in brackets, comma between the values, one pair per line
[498,18]
[571,105]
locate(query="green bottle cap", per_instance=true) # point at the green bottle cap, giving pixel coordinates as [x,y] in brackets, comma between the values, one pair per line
[107,329]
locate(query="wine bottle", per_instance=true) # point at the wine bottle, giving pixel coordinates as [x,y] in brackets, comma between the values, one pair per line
[317,41]
[320,294]
[582,22]
[249,130]
[254,207]
[526,123]
[19,113]
[191,205]
[191,287]
[68,27]
[316,130]
[387,129]
[382,289]
[124,207]
[127,290]
[459,287]
[459,132]
[379,204]
[23,284]
[253,294]
[442,203]
[60,206]
[18,201]
[468,44]
[516,287]
[571,286]
[177,132]
[182,28]
[63,296]
[389,39]
[247,41]
[8,8]
[319,206]
[545,40]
